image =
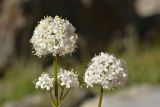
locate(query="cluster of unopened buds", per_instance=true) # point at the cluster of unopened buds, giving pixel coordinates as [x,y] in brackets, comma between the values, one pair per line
[57,36]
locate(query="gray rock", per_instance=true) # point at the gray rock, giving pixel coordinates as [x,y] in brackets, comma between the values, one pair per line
[30,101]
[143,96]
[146,8]
[12,21]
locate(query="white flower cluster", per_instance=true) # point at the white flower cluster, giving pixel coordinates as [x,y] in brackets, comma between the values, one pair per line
[54,36]
[45,82]
[106,71]
[68,78]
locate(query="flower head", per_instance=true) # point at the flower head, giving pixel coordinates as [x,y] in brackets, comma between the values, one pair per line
[45,82]
[54,36]
[106,71]
[68,78]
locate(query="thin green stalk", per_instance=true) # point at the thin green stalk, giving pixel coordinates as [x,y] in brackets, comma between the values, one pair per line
[53,102]
[56,80]
[101,97]
[65,94]
[62,91]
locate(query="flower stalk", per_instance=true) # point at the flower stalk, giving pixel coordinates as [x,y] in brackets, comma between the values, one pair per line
[52,98]
[56,79]
[65,94]
[100,97]
[62,91]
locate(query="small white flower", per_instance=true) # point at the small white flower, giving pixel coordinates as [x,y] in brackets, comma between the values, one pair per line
[68,78]
[106,71]
[54,36]
[45,82]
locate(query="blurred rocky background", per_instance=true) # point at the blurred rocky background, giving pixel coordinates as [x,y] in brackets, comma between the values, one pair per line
[130,29]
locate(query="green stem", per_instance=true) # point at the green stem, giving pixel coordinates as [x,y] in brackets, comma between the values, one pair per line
[56,80]
[101,97]
[53,102]
[65,94]
[62,91]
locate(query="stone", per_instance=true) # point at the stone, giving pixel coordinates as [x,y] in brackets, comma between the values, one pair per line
[143,96]
[12,22]
[30,101]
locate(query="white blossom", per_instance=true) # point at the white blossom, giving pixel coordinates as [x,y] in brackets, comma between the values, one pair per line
[68,78]
[45,82]
[106,71]
[54,36]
